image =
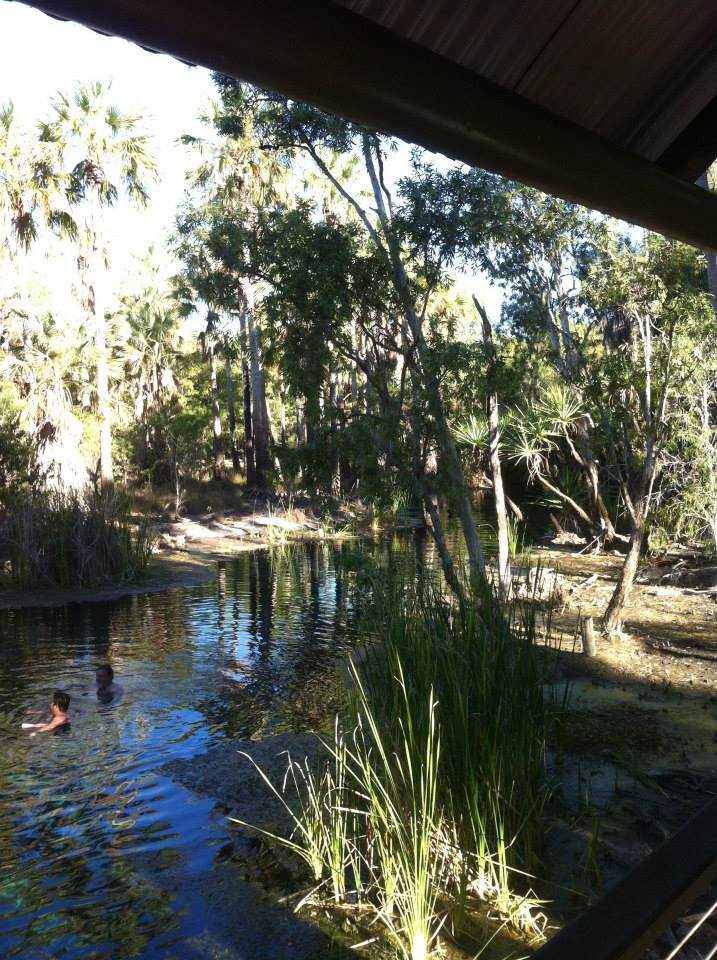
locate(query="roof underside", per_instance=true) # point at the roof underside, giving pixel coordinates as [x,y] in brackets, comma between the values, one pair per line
[635,73]
[611,103]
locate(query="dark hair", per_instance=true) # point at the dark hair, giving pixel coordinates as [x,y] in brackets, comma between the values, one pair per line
[62,700]
[106,668]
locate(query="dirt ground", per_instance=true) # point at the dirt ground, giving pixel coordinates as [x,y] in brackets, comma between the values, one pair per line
[669,632]
[637,754]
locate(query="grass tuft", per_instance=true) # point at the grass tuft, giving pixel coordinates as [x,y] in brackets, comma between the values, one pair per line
[67,539]
[432,802]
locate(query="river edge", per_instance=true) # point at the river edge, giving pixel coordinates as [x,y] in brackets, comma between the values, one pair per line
[170,571]
[675,626]
[608,810]
[613,807]
[186,556]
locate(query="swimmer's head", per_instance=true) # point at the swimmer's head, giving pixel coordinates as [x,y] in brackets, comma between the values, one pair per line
[104,676]
[60,701]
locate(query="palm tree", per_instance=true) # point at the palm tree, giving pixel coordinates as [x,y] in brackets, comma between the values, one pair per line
[41,358]
[106,156]
[152,341]
[32,189]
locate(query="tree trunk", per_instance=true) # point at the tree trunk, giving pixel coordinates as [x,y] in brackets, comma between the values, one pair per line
[94,300]
[585,459]
[612,622]
[301,433]
[501,513]
[436,528]
[260,422]
[515,509]
[335,457]
[216,417]
[587,631]
[425,489]
[103,404]
[575,507]
[231,414]
[557,525]
[249,460]
[654,423]
[567,363]
[418,359]
[282,413]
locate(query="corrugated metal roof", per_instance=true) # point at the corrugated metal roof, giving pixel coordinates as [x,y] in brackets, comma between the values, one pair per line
[636,73]
[610,103]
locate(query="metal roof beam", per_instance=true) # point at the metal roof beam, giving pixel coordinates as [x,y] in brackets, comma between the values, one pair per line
[323,54]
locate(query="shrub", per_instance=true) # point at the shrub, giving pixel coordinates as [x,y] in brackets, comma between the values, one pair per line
[18,455]
[69,539]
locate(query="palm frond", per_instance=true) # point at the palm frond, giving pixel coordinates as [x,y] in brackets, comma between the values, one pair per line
[560,404]
[472,432]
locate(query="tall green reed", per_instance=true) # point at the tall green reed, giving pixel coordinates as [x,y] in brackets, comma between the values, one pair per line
[403,817]
[74,539]
[434,798]
[488,673]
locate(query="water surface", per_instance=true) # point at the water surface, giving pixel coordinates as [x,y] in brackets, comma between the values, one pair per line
[102,855]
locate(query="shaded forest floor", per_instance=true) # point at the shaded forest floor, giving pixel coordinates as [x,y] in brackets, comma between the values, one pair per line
[636,755]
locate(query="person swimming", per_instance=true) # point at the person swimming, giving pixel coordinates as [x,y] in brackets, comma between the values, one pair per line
[107,689]
[59,715]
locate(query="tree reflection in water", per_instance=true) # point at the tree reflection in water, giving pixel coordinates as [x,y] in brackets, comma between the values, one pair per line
[100,853]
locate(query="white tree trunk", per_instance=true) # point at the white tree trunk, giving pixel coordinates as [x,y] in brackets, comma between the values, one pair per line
[95,301]
[501,513]
[260,413]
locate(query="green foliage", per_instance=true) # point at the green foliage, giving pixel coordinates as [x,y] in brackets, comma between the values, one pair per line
[473,432]
[276,228]
[69,540]
[434,786]
[19,470]
[488,674]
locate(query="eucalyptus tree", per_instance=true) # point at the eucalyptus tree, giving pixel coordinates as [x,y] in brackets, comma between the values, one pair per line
[106,159]
[494,452]
[542,256]
[328,321]
[231,182]
[659,367]
[436,219]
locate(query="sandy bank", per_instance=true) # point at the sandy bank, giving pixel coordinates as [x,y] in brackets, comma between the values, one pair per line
[168,571]
[186,553]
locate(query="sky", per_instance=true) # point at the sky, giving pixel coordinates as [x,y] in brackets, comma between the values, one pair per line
[40,56]
[168,94]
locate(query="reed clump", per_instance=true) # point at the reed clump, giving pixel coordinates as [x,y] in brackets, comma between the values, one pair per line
[431,800]
[68,539]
